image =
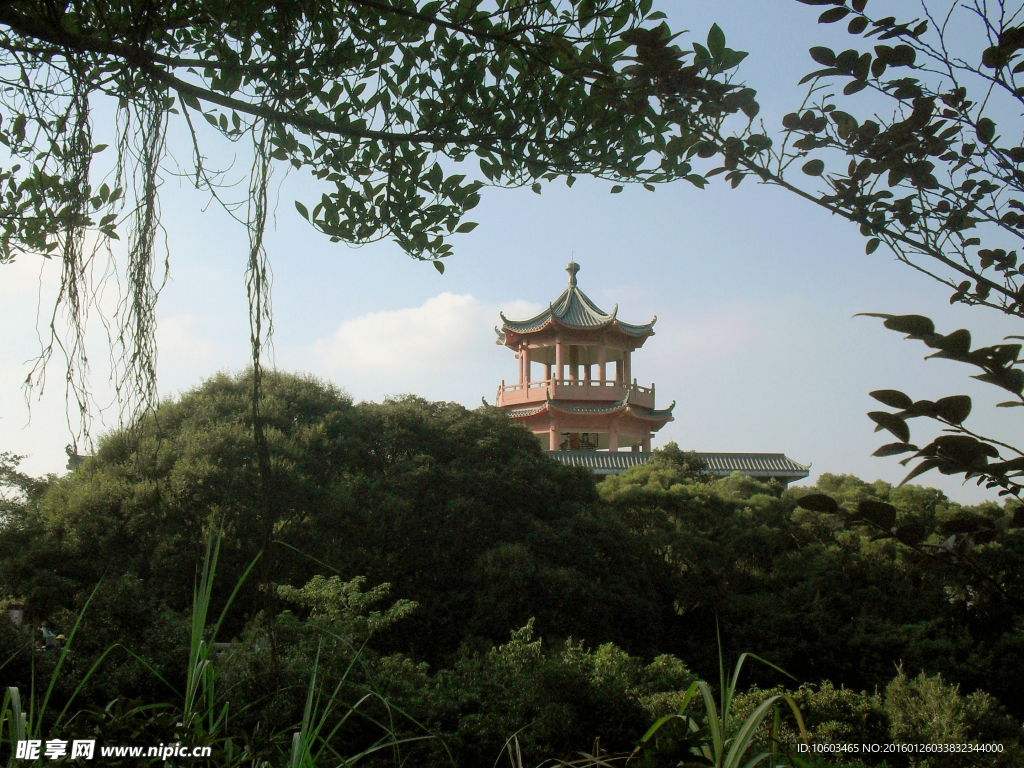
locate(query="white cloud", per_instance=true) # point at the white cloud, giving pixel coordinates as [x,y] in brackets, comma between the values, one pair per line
[449,331]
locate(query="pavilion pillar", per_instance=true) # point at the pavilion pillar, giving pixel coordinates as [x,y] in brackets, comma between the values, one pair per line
[574,362]
[602,361]
[627,367]
[613,437]
[559,362]
[547,372]
[618,372]
[647,443]
[586,365]
[553,435]
[526,364]
[636,448]
[520,356]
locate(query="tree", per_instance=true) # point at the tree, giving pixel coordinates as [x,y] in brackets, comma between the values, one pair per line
[387,491]
[378,100]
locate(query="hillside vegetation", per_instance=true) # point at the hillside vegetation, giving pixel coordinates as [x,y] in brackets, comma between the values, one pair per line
[431,570]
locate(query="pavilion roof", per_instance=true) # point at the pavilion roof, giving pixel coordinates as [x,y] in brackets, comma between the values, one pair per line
[573,309]
[772,465]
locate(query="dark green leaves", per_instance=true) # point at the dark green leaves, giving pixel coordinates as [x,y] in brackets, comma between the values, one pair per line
[877,512]
[716,41]
[818,502]
[893,398]
[824,56]
[833,15]
[912,325]
[891,422]
[986,130]
[954,409]
[814,167]
[911,533]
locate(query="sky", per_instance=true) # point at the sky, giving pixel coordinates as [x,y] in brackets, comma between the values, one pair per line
[755,292]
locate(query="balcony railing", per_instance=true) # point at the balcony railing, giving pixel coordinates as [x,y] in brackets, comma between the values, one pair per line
[577,391]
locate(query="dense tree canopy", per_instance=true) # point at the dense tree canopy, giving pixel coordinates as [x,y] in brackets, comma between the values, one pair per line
[459,510]
[433,532]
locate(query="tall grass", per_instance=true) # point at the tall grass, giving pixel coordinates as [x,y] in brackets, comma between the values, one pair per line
[718,742]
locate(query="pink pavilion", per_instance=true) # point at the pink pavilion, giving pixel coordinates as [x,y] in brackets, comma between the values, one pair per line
[587,398]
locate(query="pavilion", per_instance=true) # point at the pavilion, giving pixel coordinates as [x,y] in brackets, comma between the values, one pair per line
[588,407]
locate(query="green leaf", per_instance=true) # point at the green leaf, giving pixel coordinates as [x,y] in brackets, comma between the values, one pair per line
[872,245]
[616,189]
[469,226]
[302,210]
[833,15]
[438,266]
[986,130]
[961,525]
[893,398]
[954,409]
[911,534]
[536,187]
[191,101]
[716,41]
[892,423]
[1009,404]
[824,56]
[912,325]
[894,449]
[878,512]
[857,25]
[818,502]
[814,167]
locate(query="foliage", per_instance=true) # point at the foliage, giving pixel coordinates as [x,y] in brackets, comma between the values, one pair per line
[958,451]
[386,491]
[827,602]
[832,715]
[920,710]
[378,102]
[341,607]
[555,700]
[721,739]
[925,169]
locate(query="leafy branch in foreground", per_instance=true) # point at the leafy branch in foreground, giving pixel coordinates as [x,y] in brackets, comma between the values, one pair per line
[917,160]
[958,451]
[377,100]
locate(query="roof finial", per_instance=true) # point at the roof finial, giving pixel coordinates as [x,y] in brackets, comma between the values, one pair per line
[572,268]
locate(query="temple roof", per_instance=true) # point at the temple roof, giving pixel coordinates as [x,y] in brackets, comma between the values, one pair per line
[573,309]
[772,465]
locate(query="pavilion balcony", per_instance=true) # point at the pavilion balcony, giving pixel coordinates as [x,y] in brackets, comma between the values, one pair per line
[573,390]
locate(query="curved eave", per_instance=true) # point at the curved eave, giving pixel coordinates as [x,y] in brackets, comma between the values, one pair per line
[663,415]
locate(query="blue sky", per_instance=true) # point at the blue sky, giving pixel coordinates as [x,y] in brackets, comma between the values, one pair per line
[754,290]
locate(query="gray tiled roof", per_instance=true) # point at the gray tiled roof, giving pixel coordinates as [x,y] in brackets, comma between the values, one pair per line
[574,309]
[775,465]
